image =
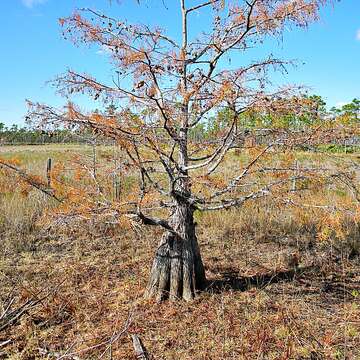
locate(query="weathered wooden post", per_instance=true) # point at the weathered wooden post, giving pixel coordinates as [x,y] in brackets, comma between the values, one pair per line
[116,177]
[296,172]
[94,158]
[117,187]
[48,171]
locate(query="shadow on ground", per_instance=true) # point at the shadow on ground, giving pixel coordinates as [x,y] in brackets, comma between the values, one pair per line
[331,286]
[231,281]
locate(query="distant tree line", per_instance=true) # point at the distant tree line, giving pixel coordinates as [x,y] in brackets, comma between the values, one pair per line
[312,109]
[15,134]
[30,135]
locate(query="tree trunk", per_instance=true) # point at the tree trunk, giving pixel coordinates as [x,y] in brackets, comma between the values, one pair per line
[177,271]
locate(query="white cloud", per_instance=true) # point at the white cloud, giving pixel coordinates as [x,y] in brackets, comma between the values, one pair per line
[341,104]
[358,35]
[31,3]
[104,50]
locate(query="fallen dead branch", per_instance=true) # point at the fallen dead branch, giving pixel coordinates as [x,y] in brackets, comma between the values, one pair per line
[108,343]
[10,317]
[139,348]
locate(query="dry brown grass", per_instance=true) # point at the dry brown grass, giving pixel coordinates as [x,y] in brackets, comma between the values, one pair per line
[258,305]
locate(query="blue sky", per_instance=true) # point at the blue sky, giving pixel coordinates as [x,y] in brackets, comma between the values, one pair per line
[33,51]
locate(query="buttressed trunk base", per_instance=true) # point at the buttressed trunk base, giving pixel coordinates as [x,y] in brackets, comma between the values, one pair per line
[177,271]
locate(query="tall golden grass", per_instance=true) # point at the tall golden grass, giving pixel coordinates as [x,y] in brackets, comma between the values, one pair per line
[282,283]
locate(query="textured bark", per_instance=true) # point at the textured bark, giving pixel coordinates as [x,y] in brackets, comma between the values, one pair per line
[177,271]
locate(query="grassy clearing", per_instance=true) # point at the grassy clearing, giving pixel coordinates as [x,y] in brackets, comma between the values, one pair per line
[259,303]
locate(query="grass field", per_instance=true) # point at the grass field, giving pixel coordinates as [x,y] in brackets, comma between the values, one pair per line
[277,290]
